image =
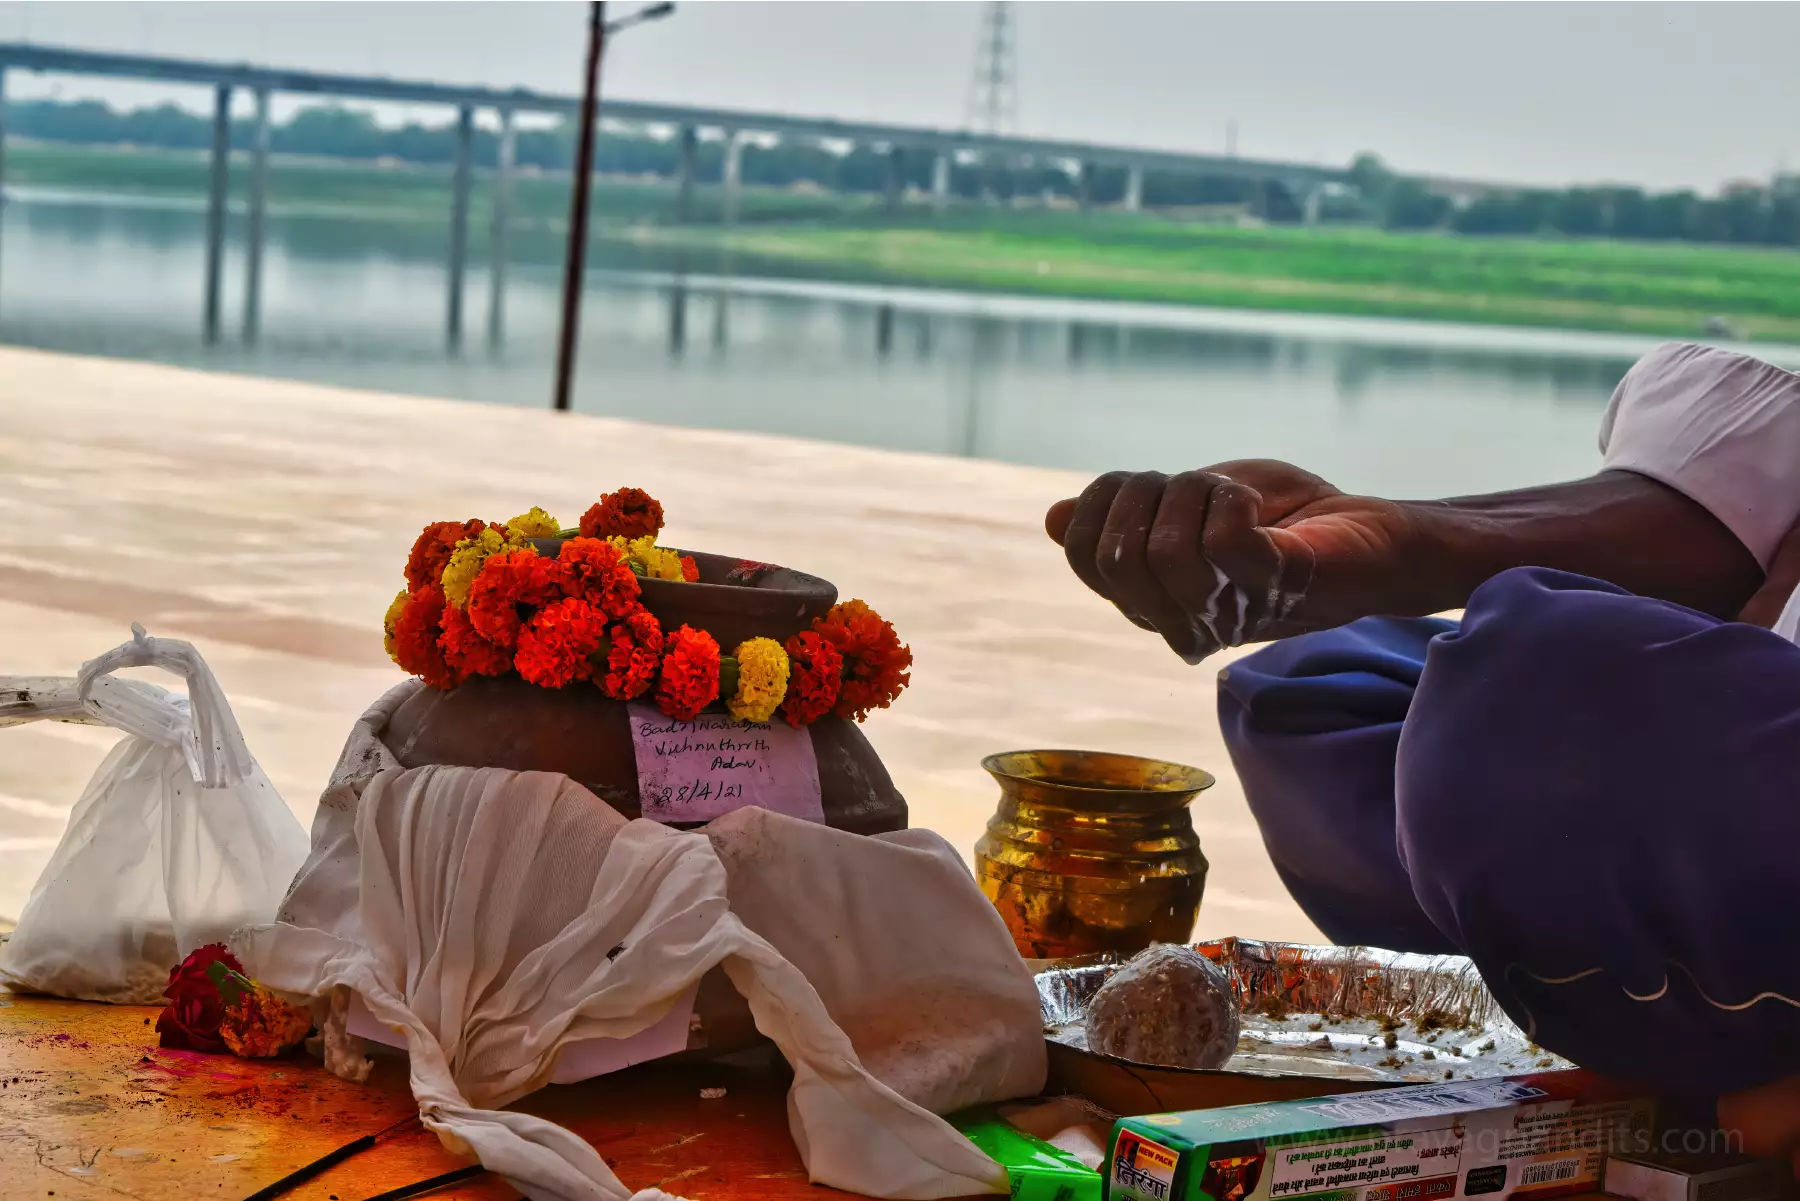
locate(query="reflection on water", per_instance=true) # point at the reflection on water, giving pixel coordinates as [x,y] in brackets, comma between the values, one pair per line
[1382,406]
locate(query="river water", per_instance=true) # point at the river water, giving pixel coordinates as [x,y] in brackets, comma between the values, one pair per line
[1392,407]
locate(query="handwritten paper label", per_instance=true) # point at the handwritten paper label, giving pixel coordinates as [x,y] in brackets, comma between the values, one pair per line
[694,771]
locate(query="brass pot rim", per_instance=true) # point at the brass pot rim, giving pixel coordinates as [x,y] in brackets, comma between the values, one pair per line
[1164,783]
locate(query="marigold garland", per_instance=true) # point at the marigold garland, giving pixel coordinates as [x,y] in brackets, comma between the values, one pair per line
[690,673]
[815,676]
[481,601]
[465,563]
[388,621]
[432,549]
[416,638]
[762,680]
[650,560]
[534,523]
[556,644]
[509,588]
[597,571]
[875,660]
[634,654]
[628,513]
[466,651]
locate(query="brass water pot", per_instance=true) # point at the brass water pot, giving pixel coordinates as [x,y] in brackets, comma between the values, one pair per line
[1092,852]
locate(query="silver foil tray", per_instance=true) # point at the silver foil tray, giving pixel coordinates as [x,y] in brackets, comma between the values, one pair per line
[1351,1014]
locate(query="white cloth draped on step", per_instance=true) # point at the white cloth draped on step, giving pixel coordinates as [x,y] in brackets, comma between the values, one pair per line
[492,916]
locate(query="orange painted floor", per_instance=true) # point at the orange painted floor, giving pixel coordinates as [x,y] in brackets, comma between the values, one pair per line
[91,1107]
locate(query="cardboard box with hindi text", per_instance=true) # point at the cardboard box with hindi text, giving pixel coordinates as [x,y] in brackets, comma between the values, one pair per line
[1534,1136]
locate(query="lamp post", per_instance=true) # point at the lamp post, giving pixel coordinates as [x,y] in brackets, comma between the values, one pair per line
[599,29]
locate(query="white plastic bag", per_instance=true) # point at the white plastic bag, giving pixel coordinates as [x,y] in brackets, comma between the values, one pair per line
[178,840]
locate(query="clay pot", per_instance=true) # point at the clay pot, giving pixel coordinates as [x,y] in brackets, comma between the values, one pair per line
[578,731]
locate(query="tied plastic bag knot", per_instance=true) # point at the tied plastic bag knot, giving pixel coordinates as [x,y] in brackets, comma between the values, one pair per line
[202,726]
[178,840]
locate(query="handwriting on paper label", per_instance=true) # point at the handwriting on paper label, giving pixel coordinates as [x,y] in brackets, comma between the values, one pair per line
[694,771]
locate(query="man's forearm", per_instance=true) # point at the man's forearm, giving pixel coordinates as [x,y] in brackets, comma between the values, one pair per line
[1617,526]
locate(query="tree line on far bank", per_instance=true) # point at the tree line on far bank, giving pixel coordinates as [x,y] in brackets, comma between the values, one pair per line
[1745,214]
[1750,214]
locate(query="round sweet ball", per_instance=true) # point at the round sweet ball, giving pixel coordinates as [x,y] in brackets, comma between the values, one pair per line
[1170,1007]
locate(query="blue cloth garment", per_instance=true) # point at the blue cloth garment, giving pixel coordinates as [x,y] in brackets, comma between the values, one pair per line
[1593,795]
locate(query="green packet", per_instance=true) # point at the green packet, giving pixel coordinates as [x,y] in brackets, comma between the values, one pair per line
[1036,1170]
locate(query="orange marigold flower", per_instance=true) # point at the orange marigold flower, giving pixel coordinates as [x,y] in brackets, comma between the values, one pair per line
[555,644]
[416,638]
[627,513]
[631,661]
[690,570]
[690,673]
[431,550]
[467,652]
[509,588]
[262,1025]
[815,676]
[876,662]
[595,571]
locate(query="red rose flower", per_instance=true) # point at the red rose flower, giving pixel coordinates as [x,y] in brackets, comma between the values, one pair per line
[190,1021]
[628,513]
[815,675]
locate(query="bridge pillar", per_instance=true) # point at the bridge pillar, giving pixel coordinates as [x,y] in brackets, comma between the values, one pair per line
[459,223]
[1310,200]
[215,209]
[498,228]
[731,178]
[678,306]
[1134,190]
[684,175]
[894,182]
[884,330]
[940,182]
[1084,187]
[256,231]
[499,225]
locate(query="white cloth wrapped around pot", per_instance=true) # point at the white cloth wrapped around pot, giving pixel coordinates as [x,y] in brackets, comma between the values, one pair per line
[494,916]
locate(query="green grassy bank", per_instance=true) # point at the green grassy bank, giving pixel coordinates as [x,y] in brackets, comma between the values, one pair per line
[1610,286]
[1652,288]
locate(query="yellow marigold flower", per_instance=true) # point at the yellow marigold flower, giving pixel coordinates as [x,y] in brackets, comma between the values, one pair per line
[534,524]
[466,560]
[387,623]
[762,680]
[659,562]
[262,1025]
[649,559]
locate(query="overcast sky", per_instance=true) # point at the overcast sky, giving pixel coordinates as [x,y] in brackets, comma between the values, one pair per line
[1690,94]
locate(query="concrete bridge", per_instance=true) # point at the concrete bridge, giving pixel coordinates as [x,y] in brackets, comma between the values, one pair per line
[1304,182]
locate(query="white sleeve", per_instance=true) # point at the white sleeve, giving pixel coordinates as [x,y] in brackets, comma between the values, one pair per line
[1721,428]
